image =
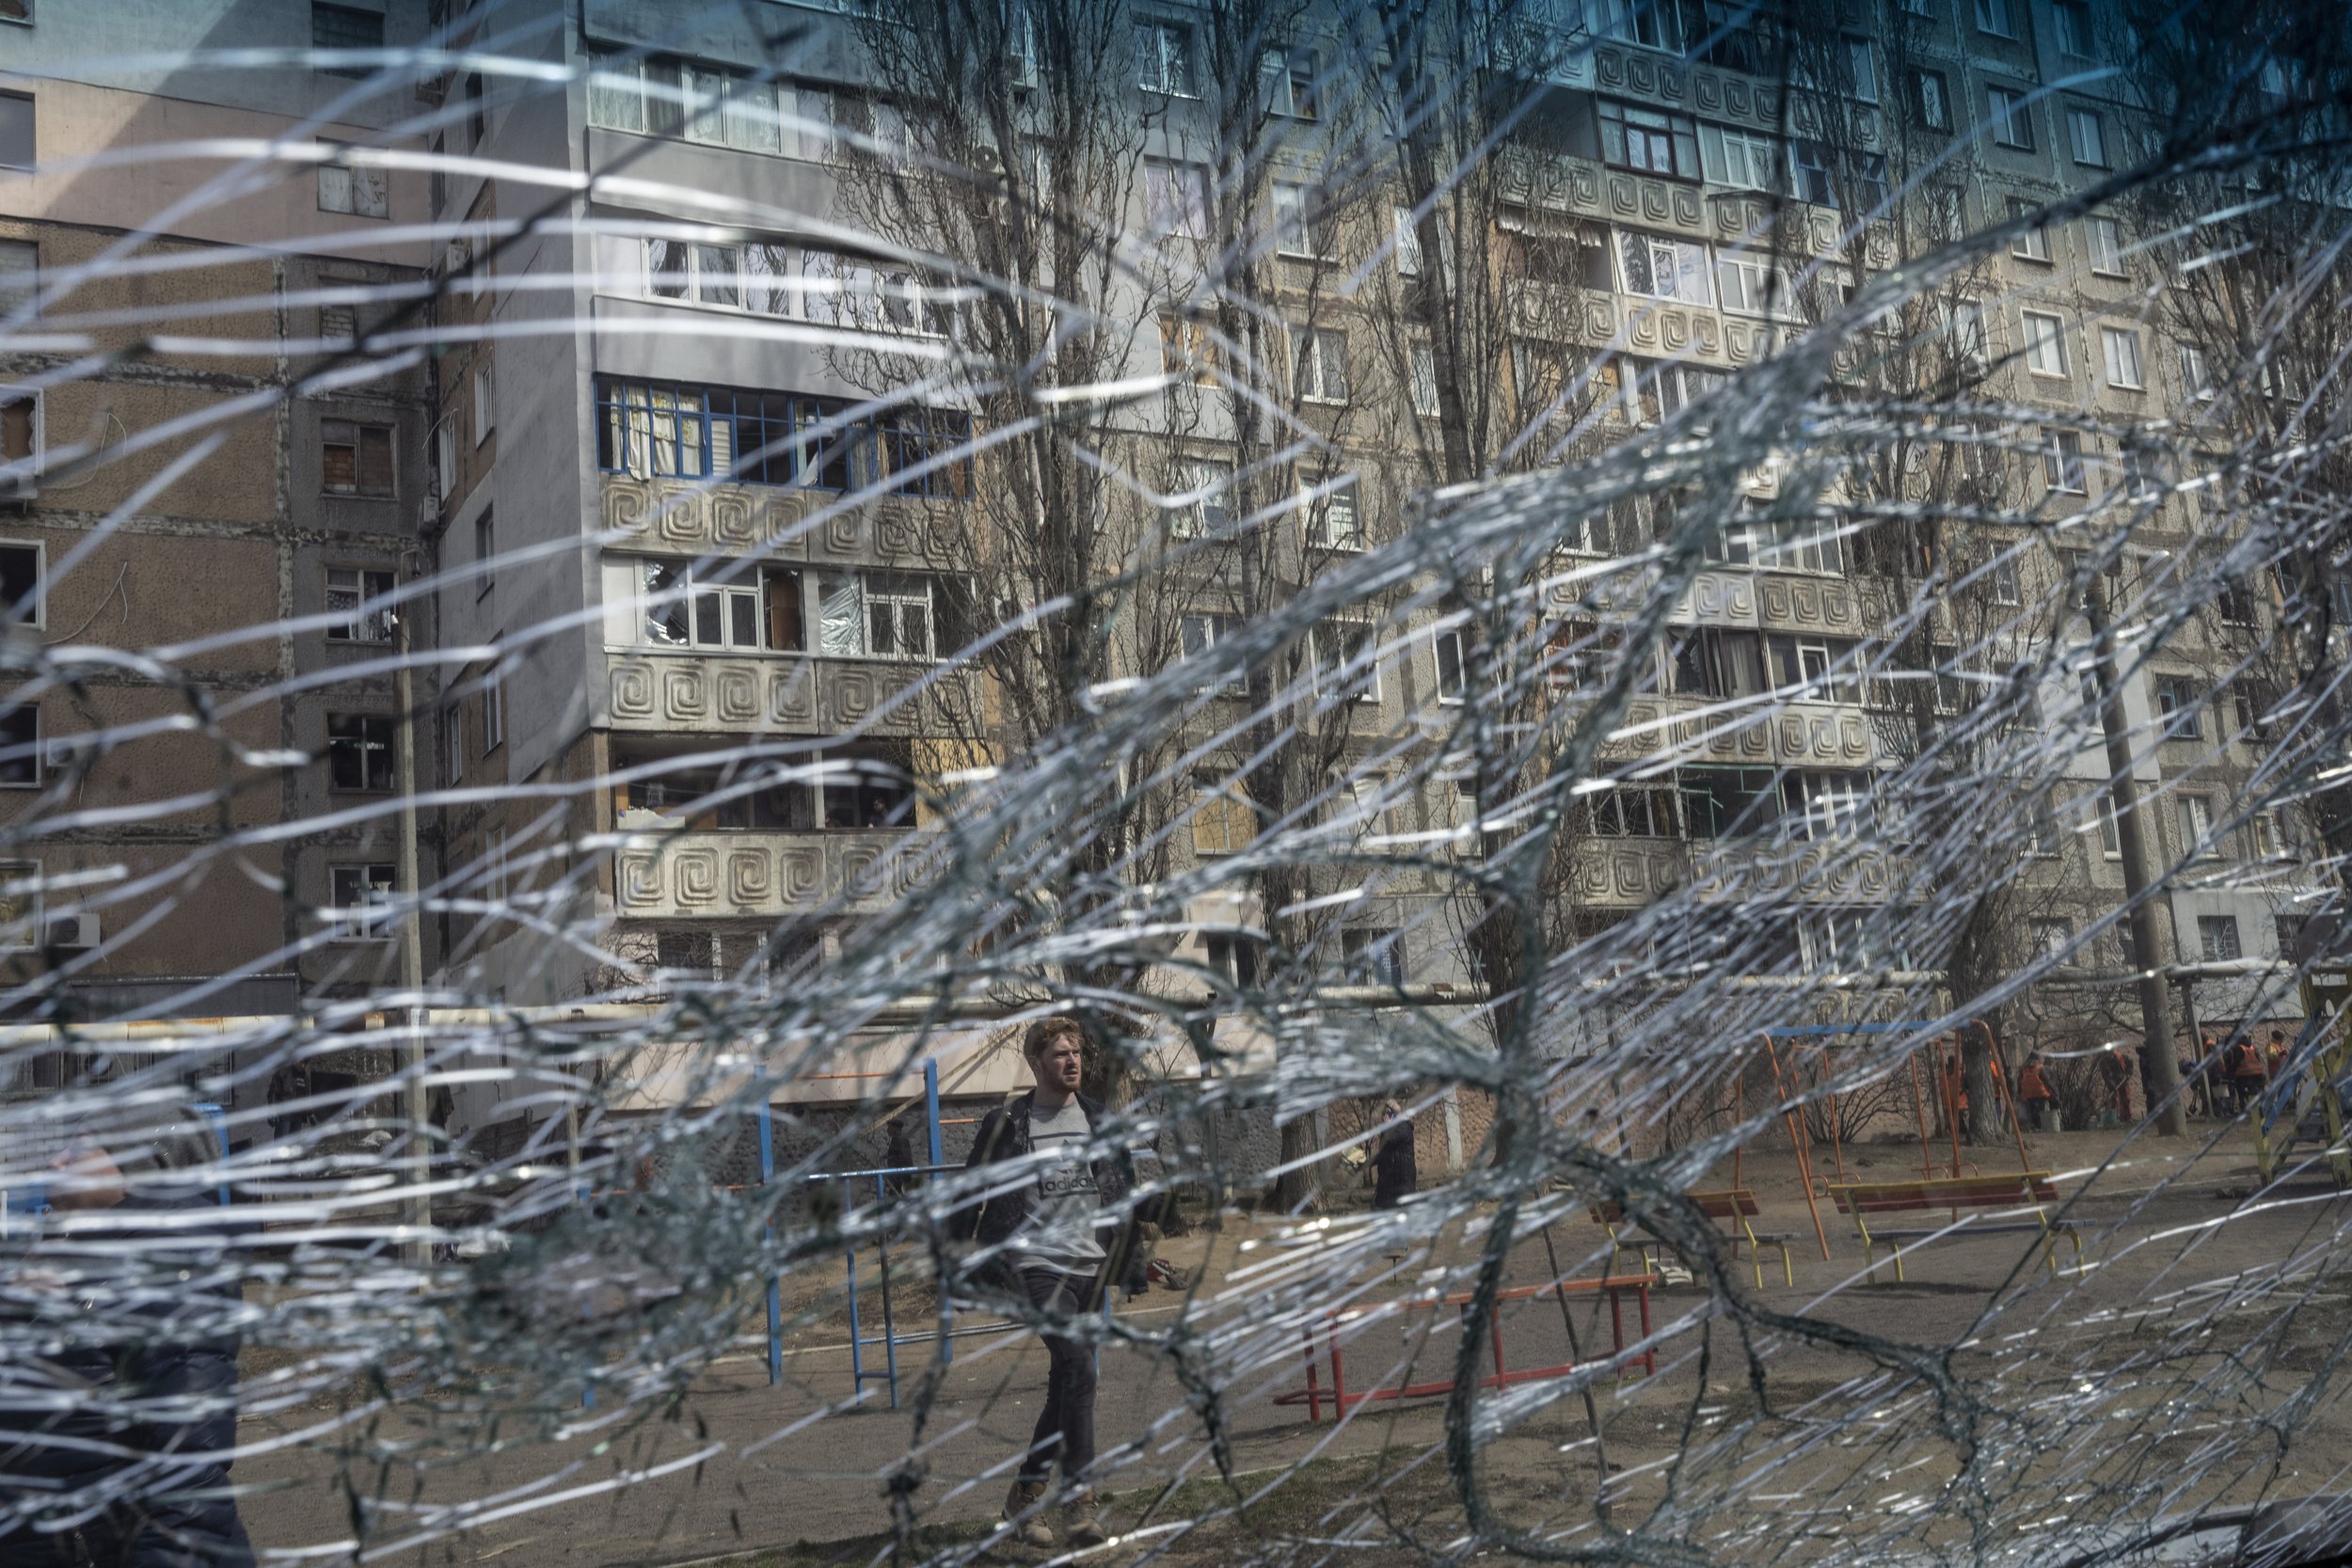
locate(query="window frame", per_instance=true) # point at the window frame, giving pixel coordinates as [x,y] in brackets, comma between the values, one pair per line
[36,758]
[2110,337]
[32,131]
[2210,925]
[370,582]
[2054,339]
[1215,626]
[371,741]
[2180,713]
[1995,18]
[1675,132]
[1760,155]
[19,478]
[2009,114]
[351,922]
[2064,470]
[2086,131]
[2032,244]
[1309,347]
[1653,244]
[484,384]
[360,430]
[1439,640]
[2102,238]
[1172,56]
[1938,115]
[1296,236]
[355,178]
[324,11]
[1362,682]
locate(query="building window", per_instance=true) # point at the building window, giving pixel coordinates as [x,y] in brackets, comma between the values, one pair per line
[1176,197]
[2045,343]
[1197,510]
[2218,935]
[1235,959]
[650,94]
[1319,364]
[2122,353]
[344,187]
[2087,137]
[2012,120]
[652,429]
[673,609]
[357,458]
[452,746]
[1995,16]
[1345,657]
[493,709]
[2031,243]
[1741,159]
[1661,267]
[1932,99]
[2195,382]
[1335,519]
[17,10]
[2110,832]
[17,146]
[358,899]
[1755,286]
[485,409]
[1187,349]
[2271,839]
[2054,941]
[2103,238]
[493,864]
[2179,702]
[1422,371]
[359,753]
[1452,671]
[2235,601]
[345,27]
[1290,76]
[20,278]
[486,552]
[1648,141]
[23,570]
[1644,22]
[19,747]
[348,588]
[2062,463]
[1223,820]
[1377,954]
[2074,29]
[1305,223]
[1163,59]
[1200,630]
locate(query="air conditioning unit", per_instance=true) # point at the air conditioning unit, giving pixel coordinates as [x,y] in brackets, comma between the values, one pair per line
[71,931]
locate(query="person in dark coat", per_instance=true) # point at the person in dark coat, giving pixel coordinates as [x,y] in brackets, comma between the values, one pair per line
[141,1318]
[898,1154]
[1394,1175]
[1055,1237]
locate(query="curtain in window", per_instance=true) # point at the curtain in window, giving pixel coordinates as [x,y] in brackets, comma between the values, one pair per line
[841,616]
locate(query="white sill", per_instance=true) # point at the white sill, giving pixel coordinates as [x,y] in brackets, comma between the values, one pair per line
[2125,387]
[2050,375]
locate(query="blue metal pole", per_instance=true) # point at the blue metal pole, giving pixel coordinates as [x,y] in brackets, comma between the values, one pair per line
[931,1104]
[930,1110]
[213,1114]
[775,1284]
[857,1353]
[890,1329]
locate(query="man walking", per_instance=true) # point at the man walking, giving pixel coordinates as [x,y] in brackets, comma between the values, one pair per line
[1047,1238]
[142,1312]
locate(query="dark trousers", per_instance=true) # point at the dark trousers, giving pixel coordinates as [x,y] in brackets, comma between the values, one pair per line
[1065,1428]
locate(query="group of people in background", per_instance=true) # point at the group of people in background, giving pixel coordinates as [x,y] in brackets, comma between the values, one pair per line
[2219,1080]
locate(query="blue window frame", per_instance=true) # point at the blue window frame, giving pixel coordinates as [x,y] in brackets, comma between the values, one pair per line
[655,430]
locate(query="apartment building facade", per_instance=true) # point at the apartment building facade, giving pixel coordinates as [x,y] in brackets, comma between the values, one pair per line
[203,465]
[751,547]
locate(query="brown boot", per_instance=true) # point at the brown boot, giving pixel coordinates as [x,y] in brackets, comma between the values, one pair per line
[1024,1512]
[1081,1525]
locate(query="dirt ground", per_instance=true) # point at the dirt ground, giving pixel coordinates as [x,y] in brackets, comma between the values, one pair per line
[726,1467]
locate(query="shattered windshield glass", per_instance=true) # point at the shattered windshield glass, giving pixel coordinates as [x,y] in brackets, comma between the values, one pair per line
[1238,781]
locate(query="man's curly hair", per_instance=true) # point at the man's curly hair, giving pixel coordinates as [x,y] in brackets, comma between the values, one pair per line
[1045,1031]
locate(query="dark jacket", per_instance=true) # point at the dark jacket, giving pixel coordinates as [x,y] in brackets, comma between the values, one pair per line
[989,1222]
[1396,1173]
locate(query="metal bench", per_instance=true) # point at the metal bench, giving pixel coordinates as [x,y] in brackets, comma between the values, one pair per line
[2022,1190]
[1736,1204]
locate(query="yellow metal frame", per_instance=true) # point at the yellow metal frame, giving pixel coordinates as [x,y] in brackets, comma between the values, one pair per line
[1624,1223]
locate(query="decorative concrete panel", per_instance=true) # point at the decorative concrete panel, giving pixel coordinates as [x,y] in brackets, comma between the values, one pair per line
[732,525]
[632,691]
[678,514]
[792,694]
[1709,91]
[749,874]
[628,505]
[737,695]
[842,536]
[684,697]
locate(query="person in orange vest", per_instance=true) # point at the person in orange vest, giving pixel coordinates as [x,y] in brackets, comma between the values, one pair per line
[2033,1088]
[2245,1073]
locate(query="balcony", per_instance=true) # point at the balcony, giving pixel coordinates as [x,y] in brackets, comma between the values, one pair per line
[664,692]
[686,874]
[698,517]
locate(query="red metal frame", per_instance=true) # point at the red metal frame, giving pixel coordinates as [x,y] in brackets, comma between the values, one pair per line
[1341,1397]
